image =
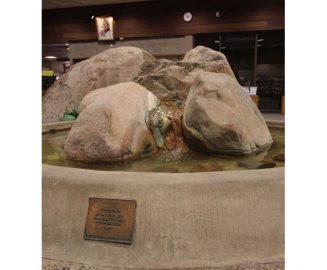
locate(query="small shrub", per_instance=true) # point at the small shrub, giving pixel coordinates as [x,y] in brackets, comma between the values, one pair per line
[68,117]
[70,114]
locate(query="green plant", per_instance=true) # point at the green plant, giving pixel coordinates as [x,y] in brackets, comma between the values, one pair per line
[70,114]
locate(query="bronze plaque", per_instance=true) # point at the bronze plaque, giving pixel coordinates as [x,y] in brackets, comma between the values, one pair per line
[110,220]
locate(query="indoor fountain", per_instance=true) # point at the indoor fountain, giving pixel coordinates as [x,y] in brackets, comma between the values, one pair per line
[181,140]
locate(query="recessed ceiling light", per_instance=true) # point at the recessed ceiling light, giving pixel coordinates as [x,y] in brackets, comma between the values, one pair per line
[92,17]
[121,38]
[216,41]
[259,45]
[51,57]
[223,47]
[261,39]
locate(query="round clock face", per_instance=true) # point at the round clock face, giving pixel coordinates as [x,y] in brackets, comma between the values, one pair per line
[187,16]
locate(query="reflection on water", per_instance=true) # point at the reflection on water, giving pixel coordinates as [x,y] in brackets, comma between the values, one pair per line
[53,154]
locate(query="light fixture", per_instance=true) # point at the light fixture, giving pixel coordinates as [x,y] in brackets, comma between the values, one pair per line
[217,41]
[261,39]
[50,57]
[121,38]
[92,17]
[223,48]
[217,14]
[259,45]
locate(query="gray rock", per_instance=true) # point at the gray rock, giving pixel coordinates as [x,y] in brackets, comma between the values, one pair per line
[214,61]
[172,80]
[220,117]
[107,68]
[111,125]
[164,78]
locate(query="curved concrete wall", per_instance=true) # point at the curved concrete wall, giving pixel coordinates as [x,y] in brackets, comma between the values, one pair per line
[213,220]
[183,221]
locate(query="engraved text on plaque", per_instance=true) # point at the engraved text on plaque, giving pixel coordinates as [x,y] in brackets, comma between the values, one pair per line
[110,220]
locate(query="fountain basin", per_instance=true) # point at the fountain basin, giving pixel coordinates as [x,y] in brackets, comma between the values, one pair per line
[183,221]
[164,161]
[214,220]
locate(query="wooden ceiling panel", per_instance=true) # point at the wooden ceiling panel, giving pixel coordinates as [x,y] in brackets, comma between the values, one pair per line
[54,4]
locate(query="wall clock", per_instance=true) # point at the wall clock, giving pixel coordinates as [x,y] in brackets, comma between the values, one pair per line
[187,16]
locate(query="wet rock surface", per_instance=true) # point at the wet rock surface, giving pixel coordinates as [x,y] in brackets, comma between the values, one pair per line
[111,125]
[220,117]
[110,67]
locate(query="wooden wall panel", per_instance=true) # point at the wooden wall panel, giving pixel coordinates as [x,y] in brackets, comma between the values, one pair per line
[163,18]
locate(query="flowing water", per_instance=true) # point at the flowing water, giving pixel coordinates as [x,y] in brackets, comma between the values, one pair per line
[53,154]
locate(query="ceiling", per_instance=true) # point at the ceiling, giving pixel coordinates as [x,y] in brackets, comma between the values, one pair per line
[54,4]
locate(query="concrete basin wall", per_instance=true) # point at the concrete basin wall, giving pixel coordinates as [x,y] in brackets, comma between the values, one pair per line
[183,221]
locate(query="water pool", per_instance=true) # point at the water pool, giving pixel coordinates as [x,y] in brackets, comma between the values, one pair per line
[53,154]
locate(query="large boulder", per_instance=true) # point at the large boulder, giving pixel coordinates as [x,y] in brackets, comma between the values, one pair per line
[111,125]
[164,78]
[220,117]
[201,54]
[173,80]
[107,68]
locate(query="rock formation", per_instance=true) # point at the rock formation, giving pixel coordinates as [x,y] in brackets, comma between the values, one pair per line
[111,125]
[124,120]
[107,68]
[220,117]
[172,80]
